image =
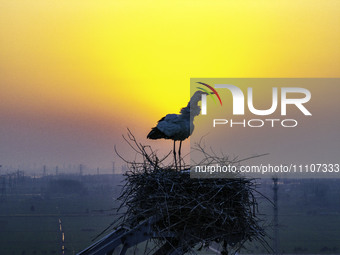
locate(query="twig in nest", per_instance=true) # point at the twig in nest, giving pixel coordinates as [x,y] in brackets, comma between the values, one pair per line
[194,211]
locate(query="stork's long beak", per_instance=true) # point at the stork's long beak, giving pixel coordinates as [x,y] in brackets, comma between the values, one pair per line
[208,92]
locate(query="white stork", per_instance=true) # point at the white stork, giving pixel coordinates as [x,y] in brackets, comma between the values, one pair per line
[178,127]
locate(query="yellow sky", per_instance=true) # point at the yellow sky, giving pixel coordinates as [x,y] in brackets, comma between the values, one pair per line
[110,64]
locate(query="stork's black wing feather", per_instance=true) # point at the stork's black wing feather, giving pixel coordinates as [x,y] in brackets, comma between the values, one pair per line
[155,133]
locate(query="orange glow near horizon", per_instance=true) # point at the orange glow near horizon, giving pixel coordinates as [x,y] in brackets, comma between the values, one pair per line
[112,64]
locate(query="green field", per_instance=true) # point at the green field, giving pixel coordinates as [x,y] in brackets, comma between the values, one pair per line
[30,210]
[30,214]
[309,217]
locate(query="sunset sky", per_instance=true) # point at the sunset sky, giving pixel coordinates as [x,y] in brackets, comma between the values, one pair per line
[74,74]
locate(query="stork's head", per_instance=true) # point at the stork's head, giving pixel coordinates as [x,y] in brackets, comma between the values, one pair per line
[198,97]
[193,108]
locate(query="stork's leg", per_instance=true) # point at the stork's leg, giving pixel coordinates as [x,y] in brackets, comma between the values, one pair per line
[179,154]
[175,154]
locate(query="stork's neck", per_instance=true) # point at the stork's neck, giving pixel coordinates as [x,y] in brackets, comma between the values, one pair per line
[190,111]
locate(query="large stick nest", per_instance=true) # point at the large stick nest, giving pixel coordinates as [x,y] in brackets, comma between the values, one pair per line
[194,211]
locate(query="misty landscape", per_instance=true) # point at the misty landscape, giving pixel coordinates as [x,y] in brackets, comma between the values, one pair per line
[104,113]
[54,214]
[62,214]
